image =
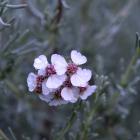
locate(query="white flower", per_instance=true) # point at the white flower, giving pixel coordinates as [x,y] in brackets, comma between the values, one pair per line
[59,64]
[31,81]
[81,77]
[40,62]
[61,82]
[78,58]
[70,94]
[55,81]
[87,92]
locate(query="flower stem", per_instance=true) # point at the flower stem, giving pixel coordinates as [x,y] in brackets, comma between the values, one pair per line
[70,121]
[87,123]
[127,74]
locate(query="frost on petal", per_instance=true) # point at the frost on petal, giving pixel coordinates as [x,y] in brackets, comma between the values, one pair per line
[31,81]
[69,94]
[81,77]
[89,91]
[55,81]
[40,62]
[57,102]
[59,63]
[78,58]
[45,90]
[46,98]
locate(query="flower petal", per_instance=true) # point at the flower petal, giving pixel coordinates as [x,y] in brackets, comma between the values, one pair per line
[45,90]
[70,94]
[42,72]
[46,98]
[81,77]
[55,81]
[40,62]
[59,63]
[78,58]
[89,91]
[31,81]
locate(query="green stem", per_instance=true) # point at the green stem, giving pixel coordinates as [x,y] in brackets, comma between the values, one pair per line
[87,123]
[127,74]
[3,136]
[70,121]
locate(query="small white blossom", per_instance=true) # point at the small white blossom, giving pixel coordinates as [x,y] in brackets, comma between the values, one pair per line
[88,92]
[70,94]
[40,62]
[78,58]
[81,77]
[60,82]
[59,64]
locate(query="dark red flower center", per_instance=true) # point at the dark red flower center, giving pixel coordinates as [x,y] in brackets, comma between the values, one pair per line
[50,70]
[67,83]
[39,81]
[57,94]
[38,89]
[72,68]
[82,89]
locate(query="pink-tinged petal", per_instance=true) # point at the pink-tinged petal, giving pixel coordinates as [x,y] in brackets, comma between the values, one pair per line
[55,81]
[40,62]
[81,77]
[78,58]
[59,63]
[88,92]
[69,94]
[31,81]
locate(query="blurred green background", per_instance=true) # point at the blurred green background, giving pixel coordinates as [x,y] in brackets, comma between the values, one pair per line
[102,30]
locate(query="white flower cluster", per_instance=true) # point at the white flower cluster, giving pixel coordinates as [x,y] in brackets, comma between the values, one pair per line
[60,82]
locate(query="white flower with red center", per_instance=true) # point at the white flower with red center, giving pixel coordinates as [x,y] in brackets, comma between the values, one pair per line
[61,66]
[71,93]
[54,78]
[60,82]
[79,77]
